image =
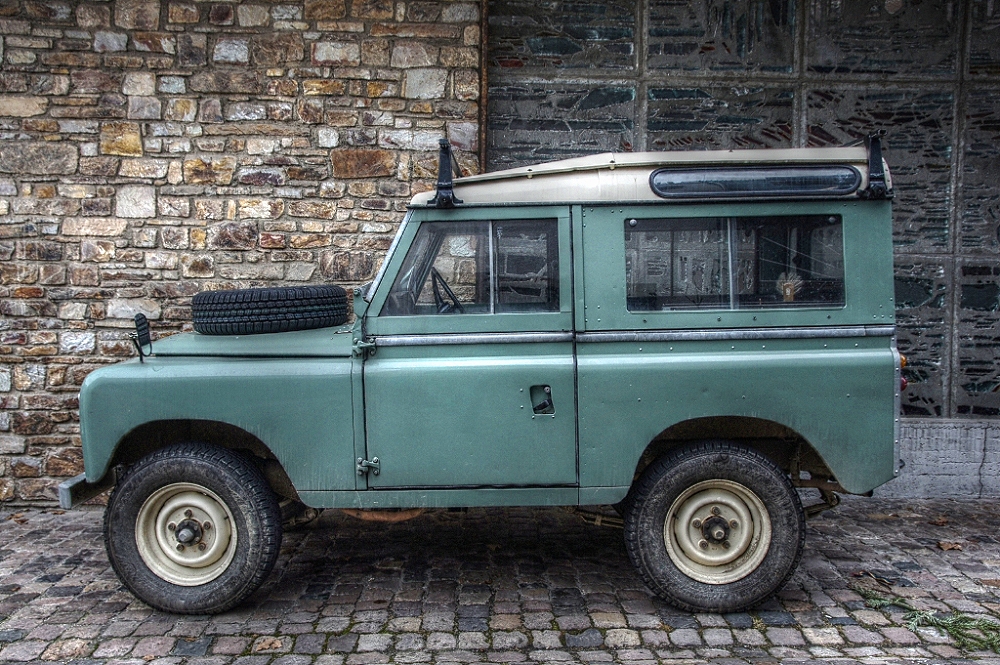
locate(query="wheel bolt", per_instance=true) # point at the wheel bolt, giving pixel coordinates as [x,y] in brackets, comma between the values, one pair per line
[180,548]
[703,544]
[188,513]
[206,526]
[696,524]
[172,527]
[715,510]
[733,524]
[726,544]
[201,547]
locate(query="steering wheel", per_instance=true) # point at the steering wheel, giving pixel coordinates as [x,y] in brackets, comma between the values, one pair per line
[437,285]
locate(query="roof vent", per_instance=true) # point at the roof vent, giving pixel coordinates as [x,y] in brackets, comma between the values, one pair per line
[755,182]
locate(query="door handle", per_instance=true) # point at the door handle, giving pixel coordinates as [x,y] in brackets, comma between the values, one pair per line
[541,400]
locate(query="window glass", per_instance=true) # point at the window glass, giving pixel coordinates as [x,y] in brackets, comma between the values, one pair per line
[445,271]
[734,263]
[790,261]
[681,264]
[527,266]
[477,268]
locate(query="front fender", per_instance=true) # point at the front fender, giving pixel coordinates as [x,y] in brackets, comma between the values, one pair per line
[300,408]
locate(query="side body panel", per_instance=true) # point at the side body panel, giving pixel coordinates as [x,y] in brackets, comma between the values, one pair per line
[300,408]
[825,372]
[450,397]
[461,415]
[834,392]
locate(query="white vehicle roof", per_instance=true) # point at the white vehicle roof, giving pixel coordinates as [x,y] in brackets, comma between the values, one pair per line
[625,177]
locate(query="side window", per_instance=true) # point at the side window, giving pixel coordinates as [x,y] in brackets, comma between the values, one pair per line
[734,263]
[527,266]
[677,264]
[478,268]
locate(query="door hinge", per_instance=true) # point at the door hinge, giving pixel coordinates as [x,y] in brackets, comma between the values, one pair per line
[364,466]
[364,347]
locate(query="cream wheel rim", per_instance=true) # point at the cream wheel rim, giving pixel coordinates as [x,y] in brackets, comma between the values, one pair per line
[717,531]
[184,534]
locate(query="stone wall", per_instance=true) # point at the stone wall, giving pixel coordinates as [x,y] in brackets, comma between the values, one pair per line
[957,459]
[150,150]
[567,78]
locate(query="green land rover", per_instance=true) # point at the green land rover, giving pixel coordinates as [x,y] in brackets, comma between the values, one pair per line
[690,337]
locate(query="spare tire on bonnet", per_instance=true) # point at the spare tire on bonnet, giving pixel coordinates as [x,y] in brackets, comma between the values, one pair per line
[270,310]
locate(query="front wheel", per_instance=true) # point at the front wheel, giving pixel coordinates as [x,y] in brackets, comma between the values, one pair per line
[714,527]
[192,529]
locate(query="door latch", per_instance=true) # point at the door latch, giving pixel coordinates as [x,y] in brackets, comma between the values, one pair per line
[364,466]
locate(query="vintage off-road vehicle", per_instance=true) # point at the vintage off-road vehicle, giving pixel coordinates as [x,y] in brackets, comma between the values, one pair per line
[691,337]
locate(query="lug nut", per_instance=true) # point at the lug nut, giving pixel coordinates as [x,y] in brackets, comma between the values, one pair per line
[726,544]
[733,524]
[188,513]
[206,526]
[696,523]
[703,544]
[715,510]
[201,547]
[180,548]
[172,527]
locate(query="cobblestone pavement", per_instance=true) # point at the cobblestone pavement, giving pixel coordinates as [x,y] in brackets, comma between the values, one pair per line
[504,586]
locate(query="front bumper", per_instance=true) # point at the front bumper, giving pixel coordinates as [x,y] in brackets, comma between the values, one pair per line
[76,490]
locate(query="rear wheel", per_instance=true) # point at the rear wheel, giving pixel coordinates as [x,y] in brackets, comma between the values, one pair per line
[714,527]
[192,529]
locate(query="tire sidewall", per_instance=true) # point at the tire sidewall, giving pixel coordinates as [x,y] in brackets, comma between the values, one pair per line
[237,582]
[670,477]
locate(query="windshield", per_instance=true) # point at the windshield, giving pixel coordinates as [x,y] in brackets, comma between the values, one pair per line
[385,261]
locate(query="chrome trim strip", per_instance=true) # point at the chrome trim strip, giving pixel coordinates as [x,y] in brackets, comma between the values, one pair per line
[736,334]
[385,341]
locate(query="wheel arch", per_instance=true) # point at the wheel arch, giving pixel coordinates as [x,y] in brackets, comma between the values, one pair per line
[157,434]
[784,446]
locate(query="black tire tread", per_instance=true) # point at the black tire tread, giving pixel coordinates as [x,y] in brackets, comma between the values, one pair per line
[646,484]
[269,310]
[246,476]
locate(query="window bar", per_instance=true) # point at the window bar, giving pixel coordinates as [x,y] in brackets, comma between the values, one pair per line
[733,282]
[493,272]
[673,252]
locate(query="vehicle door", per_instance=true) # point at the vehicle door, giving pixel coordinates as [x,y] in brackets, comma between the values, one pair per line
[471,382]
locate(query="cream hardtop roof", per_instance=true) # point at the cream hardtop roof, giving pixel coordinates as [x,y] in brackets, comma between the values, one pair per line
[615,177]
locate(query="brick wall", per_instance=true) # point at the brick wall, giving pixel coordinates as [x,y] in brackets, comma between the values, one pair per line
[150,150]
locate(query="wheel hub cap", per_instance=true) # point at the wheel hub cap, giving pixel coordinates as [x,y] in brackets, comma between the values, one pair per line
[183,533]
[188,532]
[717,531]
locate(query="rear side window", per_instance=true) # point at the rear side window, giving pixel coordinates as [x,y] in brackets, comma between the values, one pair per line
[734,262]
